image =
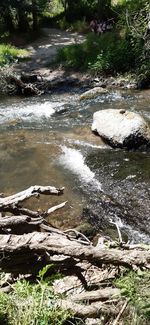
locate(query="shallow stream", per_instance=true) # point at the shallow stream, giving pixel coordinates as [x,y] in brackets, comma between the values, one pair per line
[47,141]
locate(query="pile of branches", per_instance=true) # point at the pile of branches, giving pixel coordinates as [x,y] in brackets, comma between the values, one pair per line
[28,243]
[25,85]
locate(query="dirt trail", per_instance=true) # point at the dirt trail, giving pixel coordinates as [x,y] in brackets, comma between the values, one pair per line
[44,50]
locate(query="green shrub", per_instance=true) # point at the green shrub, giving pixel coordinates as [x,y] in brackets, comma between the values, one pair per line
[107,53]
[72,55]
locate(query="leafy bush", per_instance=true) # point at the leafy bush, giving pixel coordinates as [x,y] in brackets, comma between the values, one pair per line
[72,56]
[108,53]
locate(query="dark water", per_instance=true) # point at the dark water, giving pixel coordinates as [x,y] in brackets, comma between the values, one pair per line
[48,141]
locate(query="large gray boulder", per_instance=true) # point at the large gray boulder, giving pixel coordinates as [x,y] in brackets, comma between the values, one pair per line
[122,129]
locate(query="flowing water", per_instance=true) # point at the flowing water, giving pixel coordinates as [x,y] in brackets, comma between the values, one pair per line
[47,141]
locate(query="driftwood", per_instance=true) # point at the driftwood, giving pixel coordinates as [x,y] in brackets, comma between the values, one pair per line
[12,203]
[28,243]
[34,246]
[93,310]
[27,237]
[101,294]
[26,89]
[28,78]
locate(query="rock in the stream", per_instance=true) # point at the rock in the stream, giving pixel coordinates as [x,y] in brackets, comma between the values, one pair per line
[92,93]
[122,129]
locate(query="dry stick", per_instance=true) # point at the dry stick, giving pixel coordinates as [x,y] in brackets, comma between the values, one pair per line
[120,313]
[12,203]
[77,233]
[119,232]
[56,207]
[35,214]
[35,190]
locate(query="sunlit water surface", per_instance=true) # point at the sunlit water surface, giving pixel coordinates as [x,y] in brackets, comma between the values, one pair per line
[48,141]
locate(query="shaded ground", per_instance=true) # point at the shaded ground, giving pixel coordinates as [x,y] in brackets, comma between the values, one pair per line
[43,52]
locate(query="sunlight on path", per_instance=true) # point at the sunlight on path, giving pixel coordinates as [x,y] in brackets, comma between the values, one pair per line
[44,50]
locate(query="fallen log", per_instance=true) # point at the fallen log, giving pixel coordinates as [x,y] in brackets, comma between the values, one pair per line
[28,243]
[29,249]
[93,310]
[101,294]
[28,78]
[12,203]
[20,224]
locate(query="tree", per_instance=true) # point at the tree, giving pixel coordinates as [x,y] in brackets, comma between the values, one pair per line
[78,9]
[16,13]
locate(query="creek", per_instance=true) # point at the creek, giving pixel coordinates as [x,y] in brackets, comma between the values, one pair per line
[47,140]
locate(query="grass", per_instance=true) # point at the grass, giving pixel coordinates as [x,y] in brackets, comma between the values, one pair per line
[35,304]
[135,286]
[31,304]
[9,54]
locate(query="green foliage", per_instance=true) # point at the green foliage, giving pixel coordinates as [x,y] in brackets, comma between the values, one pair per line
[78,9]
[80,26]
[49,269]
[109,53]
[55,8]
[72,56]
[21,15]
[10,53]
[30,304]
[136,288]
[133,18]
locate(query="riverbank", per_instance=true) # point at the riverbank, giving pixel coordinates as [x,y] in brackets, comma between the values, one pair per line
[48,139]
[63,276]
[40,63]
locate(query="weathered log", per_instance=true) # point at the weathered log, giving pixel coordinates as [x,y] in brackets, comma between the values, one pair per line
[19,224]
[90,311]
[34,214]
[12,203]
[101,294]
[38,249]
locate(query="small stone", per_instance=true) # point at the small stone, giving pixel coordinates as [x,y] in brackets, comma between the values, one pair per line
[122,111]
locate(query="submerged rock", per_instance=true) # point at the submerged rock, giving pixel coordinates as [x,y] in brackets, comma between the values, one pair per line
[92,93]
[121,129]
[143,83]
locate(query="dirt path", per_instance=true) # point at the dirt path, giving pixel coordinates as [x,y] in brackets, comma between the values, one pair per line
[44,50]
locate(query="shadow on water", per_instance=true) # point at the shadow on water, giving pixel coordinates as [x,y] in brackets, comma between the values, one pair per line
[125,177]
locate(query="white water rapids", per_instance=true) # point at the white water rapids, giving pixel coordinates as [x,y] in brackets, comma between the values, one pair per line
[74,161]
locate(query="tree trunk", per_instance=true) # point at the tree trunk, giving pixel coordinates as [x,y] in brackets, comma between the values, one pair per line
[8,18]
[23,24]
[34,15]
